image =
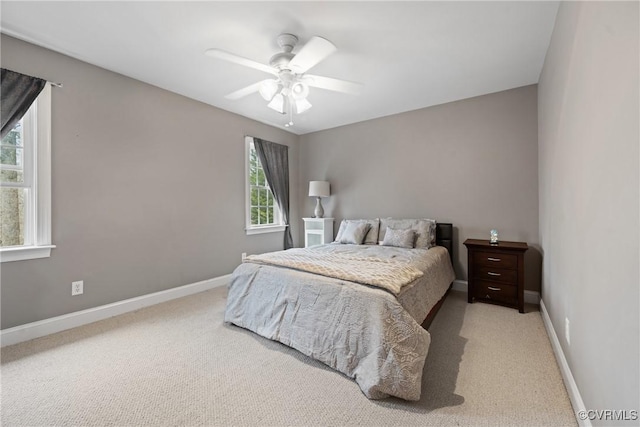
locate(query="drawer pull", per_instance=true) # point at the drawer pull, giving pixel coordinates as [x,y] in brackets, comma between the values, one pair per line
[494,259]
[490,273]
[491,288]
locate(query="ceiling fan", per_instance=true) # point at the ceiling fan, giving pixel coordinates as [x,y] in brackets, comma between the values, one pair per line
[288,91]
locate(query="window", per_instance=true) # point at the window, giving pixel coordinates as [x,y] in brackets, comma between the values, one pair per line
[25,184]
[262,213]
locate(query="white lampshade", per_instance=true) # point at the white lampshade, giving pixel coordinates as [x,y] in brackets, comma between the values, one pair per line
[268,89]
[277,103]
[319,189]
[299,90]
[302,105]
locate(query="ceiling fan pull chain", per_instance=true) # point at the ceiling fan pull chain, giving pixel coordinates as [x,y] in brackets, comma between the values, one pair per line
[290,113]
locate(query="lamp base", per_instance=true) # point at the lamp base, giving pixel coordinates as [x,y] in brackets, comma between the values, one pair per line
[319,212]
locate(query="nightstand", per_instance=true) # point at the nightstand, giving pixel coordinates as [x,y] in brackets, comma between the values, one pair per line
[317,231]
[496,272]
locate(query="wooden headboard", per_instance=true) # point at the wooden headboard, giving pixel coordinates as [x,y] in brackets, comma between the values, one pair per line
[444,236]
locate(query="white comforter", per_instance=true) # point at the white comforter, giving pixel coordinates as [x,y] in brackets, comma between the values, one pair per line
[386,267]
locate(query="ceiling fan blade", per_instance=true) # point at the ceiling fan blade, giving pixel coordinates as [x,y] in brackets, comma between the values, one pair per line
[335,85]
[240,93]
[311,54]
[226,56]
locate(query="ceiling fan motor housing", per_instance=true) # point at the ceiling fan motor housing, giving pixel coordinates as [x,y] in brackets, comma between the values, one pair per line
[281,59]
[287,41]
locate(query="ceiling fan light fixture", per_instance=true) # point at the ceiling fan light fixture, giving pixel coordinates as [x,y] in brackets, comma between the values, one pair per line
[302,105]
[268,89]
[277,103]
[299,90]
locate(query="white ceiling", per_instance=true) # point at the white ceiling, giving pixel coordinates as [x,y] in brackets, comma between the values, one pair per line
[408,55]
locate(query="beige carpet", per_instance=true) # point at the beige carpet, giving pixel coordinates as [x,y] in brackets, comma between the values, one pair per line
[177,364]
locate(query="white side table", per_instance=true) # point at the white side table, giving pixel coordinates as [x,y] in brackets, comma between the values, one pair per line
[317,231]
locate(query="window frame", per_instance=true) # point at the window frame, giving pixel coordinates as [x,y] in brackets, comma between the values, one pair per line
[250,229]
[37,237]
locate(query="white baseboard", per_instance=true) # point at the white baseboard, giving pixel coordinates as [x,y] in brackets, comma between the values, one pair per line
[530,297]
[460,285]
[41,328]
[567,376]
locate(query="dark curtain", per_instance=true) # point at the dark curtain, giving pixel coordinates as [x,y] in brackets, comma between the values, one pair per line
[275,162]
[17,93]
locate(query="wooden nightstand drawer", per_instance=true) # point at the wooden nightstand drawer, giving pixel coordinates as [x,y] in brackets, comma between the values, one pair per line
[497,275]
[496,272]
[499,292]
[497,260]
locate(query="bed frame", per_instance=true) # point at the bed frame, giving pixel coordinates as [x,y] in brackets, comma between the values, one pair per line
[444,237]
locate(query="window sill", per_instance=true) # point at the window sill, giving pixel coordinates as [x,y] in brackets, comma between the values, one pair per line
[22,253]
[265,229]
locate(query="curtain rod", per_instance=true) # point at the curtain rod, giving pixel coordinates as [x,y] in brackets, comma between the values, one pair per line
[55,84]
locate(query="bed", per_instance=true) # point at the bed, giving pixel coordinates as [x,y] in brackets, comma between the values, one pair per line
[358,308]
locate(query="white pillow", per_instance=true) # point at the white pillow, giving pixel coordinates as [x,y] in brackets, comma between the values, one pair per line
[371,237]
[354,233]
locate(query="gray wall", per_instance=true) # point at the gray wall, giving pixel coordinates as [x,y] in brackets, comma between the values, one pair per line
[589,195]
[147,190]
[472,162]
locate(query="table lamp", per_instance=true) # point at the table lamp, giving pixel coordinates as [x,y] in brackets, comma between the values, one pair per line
[319,189]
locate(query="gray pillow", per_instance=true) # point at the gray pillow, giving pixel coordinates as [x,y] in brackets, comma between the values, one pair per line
[354,233]
[432,231]
[372,235]
[425,229]
[402,238]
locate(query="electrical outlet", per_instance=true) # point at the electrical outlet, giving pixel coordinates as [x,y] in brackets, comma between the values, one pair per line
[566,330]
[244,255]
[77,288]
